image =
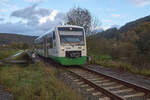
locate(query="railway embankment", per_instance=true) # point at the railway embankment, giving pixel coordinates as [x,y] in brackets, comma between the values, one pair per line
[41,81]
[5,59]
[107,86]
[13,57]
[109,62]
[32,81]
[86,83]
[5,53]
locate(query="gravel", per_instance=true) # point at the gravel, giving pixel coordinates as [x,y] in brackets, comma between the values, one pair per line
[81,90]
[4,95]
[132,78]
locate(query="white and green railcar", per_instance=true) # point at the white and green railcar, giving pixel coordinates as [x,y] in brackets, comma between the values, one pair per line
[65,44]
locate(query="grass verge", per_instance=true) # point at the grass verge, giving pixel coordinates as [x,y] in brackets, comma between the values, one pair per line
[5,53]
[21,56]
[35,82]
[107,61]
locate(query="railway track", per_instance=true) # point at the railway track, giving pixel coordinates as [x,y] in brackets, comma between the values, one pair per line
[107,87]
[104,86]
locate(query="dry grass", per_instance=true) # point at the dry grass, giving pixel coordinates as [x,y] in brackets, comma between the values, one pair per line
[4,53]
[35,82]
[108,62]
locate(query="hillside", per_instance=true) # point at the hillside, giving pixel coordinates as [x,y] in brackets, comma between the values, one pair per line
[6,38]
[135,23]
[130,44]
[131,26]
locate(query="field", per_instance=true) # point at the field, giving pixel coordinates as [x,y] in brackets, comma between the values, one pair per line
[5,53]
[108,61]
[35,82]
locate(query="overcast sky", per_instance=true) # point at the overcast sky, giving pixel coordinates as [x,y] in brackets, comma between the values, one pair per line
[33,17]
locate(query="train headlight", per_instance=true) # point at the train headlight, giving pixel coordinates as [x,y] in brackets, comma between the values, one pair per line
[62,49]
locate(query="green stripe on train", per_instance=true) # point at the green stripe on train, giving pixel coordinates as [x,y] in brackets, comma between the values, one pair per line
[67,61]
[70,61]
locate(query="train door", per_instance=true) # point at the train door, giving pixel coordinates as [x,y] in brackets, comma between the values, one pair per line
[54,44]
[45,47]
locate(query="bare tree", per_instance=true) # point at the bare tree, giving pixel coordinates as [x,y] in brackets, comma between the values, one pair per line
[95,23]
[80,17]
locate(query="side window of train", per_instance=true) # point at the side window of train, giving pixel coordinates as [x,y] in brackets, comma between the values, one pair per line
[42,45]
[54,37]
[50,42]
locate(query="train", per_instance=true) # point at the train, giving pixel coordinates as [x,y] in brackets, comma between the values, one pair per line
[65,44]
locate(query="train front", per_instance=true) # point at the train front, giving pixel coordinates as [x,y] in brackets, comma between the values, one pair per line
[72,45]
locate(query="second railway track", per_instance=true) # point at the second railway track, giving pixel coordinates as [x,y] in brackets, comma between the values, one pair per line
[108,87]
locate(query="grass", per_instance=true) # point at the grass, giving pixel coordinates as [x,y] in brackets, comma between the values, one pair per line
[22,56]
[35,82]
[5,53]
[107,61]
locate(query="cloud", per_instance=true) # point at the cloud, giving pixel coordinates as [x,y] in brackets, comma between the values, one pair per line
[1,19]
[111,26]
[33,20]
[115,26]
[7,6]
[51,17]
[3,10]
[141,2]
[3,2]
[107,21]
[30,12]
[116,15]
[20,28]
[106,27]
[111,9]
[14,27]
[35,1]
[80,0]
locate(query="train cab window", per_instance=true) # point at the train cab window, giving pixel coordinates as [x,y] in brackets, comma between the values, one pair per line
[54,37]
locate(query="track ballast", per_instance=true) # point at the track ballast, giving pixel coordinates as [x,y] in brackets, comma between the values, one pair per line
[109,87]
[104,86]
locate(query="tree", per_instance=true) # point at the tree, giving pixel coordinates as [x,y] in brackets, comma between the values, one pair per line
[80,17]
[95,25]
[129,36]
[111,33]
[143,42]
[25,46]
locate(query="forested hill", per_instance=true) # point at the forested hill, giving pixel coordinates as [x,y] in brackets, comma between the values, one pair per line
[137,26]
[135,23]
[7,38]
[130,43]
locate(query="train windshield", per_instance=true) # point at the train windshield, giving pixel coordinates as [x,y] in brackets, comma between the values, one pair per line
[71,36]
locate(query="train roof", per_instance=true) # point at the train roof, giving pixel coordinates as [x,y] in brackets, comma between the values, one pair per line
[43,35]
[70,26]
